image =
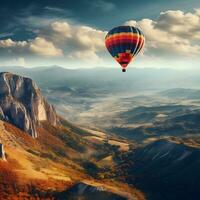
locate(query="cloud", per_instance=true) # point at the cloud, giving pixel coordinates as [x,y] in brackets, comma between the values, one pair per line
[10,43]
[173,33]
[57,11]
[86,43]
[89,38]
[61,28]
[43,47]
[88,56]
[3,35]
[60,38]
[76,41]
[103,5]
[185,25]
[76,37]
[39,46]
[54,9]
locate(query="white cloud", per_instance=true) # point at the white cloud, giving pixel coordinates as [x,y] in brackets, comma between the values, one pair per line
[77,36]
[77,41]
[61,28]
[10,43]
[43,47]
[173,33]
[86,56]
[39,46]
[185,25]
[87,37]
[61,38]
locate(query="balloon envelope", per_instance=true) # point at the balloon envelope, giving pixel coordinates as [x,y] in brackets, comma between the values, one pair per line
[124,43]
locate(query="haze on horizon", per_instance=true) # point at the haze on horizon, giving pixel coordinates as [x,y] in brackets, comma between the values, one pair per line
[71,33]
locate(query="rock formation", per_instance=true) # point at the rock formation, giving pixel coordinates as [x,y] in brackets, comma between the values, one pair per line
[2,152]
[22,104]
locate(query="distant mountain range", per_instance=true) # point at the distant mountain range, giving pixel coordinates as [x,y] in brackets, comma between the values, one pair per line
[108,78]
[142,123]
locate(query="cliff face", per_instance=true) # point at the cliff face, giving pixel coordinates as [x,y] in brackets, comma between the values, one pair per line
[22,104]
[2,152]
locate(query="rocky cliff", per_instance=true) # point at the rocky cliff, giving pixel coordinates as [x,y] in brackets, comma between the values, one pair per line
[22,104]
[2,152]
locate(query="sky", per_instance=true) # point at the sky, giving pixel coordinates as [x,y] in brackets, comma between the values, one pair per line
[70,33]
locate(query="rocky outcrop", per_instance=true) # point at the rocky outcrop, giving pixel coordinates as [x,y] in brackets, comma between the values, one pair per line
[22,104]
[85,191]
[2,152]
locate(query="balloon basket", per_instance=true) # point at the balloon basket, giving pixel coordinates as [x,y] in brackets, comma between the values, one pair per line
[123,70]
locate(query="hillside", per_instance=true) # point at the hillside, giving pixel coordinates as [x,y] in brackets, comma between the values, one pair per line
[55,161]
[62,155]
[163,170]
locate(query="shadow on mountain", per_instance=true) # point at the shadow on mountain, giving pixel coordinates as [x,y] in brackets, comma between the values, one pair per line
[87,192]
[164,170]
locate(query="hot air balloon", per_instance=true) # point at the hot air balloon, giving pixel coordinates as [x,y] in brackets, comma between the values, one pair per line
[124,43]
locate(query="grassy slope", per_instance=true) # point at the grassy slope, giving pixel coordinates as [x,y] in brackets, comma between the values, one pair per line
[53,162]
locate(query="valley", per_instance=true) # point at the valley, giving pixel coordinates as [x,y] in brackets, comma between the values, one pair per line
[127,143]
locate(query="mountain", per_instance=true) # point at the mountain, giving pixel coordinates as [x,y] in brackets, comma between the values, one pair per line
[22,104]
[109,78]
[157,121]
[55,155]
[154,146]
[48,166]
[164,170]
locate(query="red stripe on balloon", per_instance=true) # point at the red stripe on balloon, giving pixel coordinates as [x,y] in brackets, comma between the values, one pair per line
[122,38]
[121,43]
